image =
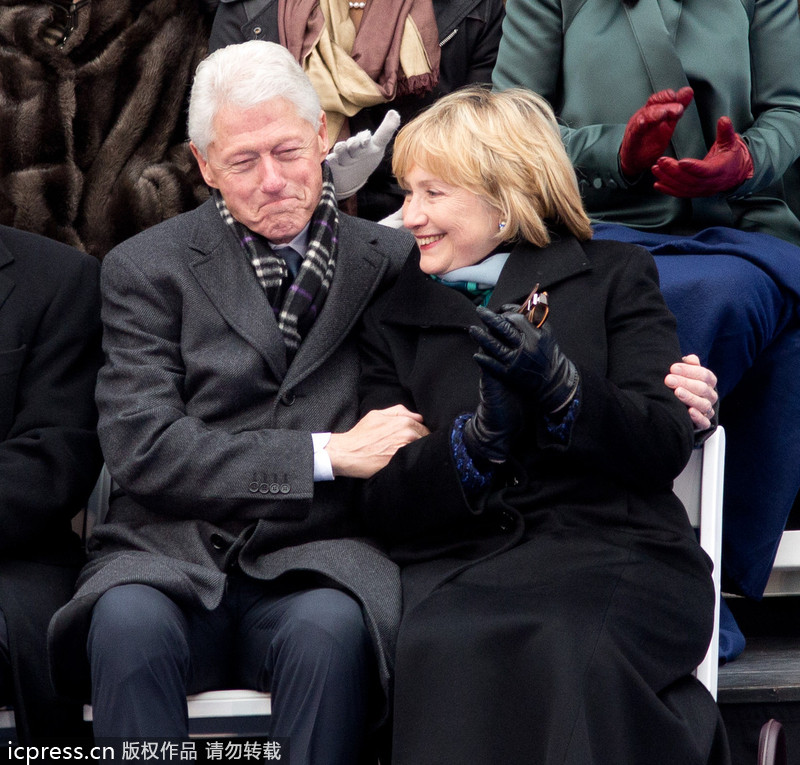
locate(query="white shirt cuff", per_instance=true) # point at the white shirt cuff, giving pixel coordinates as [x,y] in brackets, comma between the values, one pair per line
[323,470]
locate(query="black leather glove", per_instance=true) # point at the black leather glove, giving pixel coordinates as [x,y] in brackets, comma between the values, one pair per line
[526,357]
[488,433]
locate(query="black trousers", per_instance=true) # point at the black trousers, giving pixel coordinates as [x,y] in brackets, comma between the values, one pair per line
[310,648]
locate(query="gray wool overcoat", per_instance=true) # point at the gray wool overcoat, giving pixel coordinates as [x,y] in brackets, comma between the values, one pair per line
[208,433]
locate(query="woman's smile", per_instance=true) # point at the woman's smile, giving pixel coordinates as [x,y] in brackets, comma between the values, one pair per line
[426,241]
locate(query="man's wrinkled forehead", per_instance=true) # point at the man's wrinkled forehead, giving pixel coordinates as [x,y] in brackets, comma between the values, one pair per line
[279,114]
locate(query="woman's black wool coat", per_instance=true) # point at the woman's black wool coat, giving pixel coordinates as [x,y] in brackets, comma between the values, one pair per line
[555,616]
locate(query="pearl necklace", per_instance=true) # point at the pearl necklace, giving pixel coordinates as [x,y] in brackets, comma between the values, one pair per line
[358,6]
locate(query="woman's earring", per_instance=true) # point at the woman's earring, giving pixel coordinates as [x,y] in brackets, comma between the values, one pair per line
[501,225]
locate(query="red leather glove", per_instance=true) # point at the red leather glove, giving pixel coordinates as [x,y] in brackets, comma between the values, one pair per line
[727,165]
[649,131]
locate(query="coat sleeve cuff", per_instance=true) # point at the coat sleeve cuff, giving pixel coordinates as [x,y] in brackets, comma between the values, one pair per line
[471,477]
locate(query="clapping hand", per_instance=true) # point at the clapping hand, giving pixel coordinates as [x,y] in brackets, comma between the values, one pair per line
[727,165]
[489,432]
[526,357]
[650,130]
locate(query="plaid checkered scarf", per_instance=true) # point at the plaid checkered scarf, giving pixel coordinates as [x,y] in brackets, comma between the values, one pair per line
[296,304]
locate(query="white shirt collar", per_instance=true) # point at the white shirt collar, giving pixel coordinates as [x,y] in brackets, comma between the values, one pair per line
[299,244]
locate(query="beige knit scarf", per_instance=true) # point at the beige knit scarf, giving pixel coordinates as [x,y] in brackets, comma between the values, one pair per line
[395,52]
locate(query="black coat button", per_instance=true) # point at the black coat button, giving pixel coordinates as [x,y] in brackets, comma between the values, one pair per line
[285,488]
[217,542]
[288,398]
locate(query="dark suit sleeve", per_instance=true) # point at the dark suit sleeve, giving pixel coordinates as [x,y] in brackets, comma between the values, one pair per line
[50,457]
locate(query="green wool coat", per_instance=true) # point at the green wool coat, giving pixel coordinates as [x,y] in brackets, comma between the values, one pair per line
[597,61]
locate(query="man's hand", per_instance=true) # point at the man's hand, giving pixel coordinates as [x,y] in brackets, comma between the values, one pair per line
[694,386]
[369,445]
[354,160]
[727,165]
[650,130]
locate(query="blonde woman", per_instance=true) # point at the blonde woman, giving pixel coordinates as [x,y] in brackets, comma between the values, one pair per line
[555,598]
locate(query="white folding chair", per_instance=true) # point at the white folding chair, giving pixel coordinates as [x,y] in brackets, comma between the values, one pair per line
[699,487]
[784,579]
[7,721]
[219,704]
[237,703]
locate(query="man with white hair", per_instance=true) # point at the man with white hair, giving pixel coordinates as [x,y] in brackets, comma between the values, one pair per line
[233,553]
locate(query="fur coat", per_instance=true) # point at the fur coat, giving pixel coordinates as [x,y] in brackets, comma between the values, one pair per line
[92,120]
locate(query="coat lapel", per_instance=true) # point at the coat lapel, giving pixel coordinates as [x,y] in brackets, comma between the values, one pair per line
[419,301]
[448,14]
[6,283]
[227,278]
[360,268]
[665,70]
[529,265]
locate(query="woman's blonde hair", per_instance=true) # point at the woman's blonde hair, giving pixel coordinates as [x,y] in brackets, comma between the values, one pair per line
[504,147]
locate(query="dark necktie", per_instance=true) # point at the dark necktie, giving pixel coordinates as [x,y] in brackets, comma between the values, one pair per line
[292,259]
